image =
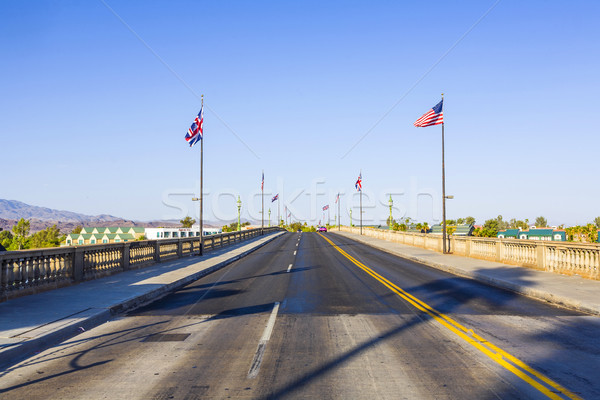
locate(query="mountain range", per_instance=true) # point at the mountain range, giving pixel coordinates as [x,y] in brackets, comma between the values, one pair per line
[42,217]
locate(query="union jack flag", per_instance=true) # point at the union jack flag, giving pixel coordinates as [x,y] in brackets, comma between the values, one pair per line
[326,207]
[194,134]
[262,184]
[337,198]
[435,116]
[358,183]
[276,197]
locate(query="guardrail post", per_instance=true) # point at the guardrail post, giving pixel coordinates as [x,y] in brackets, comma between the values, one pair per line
[78,264]
[541,259]
[125,258]
[179,248]
[498,251]
[156,251]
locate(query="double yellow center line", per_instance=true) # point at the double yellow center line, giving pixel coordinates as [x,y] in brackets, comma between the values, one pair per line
[536,379]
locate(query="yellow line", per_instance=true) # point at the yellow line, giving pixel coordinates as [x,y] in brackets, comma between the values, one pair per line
[519,368]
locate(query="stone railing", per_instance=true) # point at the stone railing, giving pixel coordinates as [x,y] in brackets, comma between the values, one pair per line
[31,271]
[558,257]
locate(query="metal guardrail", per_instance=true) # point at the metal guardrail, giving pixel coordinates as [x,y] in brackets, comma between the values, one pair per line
[31,271]
[559,257]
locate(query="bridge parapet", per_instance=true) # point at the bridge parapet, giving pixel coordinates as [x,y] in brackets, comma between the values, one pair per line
[567,258]
[33,271]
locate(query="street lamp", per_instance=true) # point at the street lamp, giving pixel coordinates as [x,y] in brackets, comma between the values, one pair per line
[351,224]
[269,217]
[391,204]
[239,204]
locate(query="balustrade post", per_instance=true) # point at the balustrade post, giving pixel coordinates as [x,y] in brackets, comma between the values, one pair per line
[125,257]
[3,278]
[541,256]
[179,248]
[78,256]
[498,251]
[157,251]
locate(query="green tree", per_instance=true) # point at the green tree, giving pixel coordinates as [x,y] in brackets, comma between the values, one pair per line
[390,221]
[460,221]
[6,239]
[470,221]
[597,222]
[49,237]
[21,231]
[489,228]
[541,222]
[77,229]
[187,222]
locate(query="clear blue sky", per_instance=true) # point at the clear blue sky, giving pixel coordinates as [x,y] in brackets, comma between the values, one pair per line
[92,121]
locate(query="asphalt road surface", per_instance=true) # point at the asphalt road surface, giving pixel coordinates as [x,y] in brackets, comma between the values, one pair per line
[324,317]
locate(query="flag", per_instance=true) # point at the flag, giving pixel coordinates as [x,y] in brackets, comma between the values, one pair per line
[326,207]
[290,214]
[194,134]
[435,116]
[337,198]
[358,183]
[276,197]
[262,184]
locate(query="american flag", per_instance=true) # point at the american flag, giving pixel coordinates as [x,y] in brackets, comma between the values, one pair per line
[337,198]
[435,116]
[358,183]
[194,134]
[326,207]
[262,183]
[276,197]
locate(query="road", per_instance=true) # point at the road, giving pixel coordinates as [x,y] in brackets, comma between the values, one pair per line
[324,317]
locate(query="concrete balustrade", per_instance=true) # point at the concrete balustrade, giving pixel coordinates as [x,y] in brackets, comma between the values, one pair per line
[559,257]
[32,271]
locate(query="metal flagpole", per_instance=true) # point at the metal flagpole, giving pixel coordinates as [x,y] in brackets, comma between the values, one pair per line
[443,191]
[361,203]
[339,215]
[278,213]
[201,178]
[262,197]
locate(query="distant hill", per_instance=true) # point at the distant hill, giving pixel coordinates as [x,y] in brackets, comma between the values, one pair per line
[42,217]
[13,209]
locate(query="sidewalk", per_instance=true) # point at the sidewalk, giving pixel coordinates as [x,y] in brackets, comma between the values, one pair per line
[569,291]
[31,323]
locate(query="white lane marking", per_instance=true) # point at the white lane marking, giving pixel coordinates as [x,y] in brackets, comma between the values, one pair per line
[260,351]
[296,244]
[289,268]
[294,252]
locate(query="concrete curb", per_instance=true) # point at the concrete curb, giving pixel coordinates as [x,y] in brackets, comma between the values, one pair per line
[538,294]
[26,349]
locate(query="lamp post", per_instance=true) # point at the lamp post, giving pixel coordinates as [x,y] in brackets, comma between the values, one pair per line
[391,204]
[239,205]
[351,224]
[269,217]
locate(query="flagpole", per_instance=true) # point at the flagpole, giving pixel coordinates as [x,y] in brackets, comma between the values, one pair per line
[201,179]
[262,198]
[361,203]
[443,191]
[339,215]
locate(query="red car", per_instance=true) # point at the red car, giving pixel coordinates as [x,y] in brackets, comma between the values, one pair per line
[322,229]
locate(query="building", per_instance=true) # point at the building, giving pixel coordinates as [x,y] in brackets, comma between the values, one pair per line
[176,233]
[509,234]
[459,230]
[103,235]
[548,234]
